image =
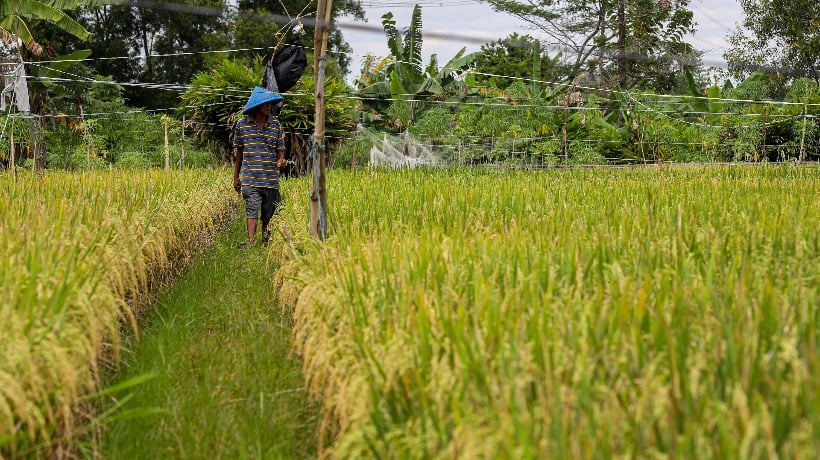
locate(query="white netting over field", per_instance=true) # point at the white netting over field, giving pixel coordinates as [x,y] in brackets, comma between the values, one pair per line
[402,151]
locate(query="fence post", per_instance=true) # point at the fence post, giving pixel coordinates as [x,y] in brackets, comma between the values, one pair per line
[167,148]
[182,146]
[803,136]
[13,167]
[355,150]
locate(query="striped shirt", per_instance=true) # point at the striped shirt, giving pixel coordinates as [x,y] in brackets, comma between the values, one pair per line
[260,151]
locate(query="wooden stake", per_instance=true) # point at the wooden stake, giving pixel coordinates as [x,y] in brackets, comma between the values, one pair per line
[803,136]
[13,167]
[182,146]
[318,196]
[621,57]
[167,148]
[355,148]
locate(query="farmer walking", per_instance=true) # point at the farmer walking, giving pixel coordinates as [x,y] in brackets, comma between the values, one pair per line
[260,153]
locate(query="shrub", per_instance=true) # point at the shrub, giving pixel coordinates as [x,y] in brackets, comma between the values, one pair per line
[133,160]
[582,153]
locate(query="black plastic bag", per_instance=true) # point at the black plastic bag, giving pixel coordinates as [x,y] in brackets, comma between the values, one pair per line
[286,67]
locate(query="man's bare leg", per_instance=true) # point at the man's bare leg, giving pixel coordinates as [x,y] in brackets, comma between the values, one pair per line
[252,231]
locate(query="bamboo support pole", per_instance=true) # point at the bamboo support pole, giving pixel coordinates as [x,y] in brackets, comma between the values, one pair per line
[318,196]
[803,135]
[167,148]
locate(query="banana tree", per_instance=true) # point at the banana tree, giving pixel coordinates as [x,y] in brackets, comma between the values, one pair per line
[374,91]
[16,19]
[705,103]
[405,78]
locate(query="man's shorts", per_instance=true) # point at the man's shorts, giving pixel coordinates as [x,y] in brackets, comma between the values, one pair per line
[266,200]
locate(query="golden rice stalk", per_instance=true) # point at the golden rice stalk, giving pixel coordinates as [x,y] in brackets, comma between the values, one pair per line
[86,246]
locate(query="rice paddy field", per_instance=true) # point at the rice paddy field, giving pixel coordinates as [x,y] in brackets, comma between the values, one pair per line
[80,251]
[452,313]
[588,313]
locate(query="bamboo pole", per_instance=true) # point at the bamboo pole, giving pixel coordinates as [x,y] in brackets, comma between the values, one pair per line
[167,148]
[355,149]
[318,196]
[803,135]
[13,167]
[621,56]
[182,146]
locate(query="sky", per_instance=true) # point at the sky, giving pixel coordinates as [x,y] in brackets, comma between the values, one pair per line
[469,24]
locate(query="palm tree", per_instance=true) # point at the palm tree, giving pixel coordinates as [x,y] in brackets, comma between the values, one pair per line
[217,94]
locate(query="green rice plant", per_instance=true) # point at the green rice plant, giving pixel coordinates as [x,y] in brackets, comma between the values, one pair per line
[484,313]
[80,252]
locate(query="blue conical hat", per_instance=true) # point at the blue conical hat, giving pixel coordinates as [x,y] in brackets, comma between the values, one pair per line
[258,97]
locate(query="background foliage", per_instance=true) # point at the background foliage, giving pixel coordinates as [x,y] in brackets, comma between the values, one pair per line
[512,102]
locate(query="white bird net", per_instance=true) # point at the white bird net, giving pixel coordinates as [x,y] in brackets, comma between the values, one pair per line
[402,151]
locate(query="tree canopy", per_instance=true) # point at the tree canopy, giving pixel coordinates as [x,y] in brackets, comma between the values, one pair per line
[503,62]
[180,40]
[779,35]
[586,32]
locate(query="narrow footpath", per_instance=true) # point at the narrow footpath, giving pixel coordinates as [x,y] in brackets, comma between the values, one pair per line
[223,384]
